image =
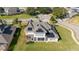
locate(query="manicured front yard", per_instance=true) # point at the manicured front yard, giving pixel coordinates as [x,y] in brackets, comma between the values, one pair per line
[65,43]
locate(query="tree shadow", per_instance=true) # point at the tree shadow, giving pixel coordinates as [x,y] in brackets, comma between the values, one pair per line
[58,34]
[55,30]
[15,39]
[30,42]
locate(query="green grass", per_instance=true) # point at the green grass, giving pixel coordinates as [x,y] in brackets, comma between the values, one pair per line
[65,43]
[15,39]
[74,20]
[15,16]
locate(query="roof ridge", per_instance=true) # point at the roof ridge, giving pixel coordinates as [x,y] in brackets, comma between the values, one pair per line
[38,26]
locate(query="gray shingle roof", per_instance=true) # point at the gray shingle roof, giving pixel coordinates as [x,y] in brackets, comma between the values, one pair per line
[35,25]
[2,39]
[46,25]
[11,10]
[30,25]
[38,26]
[5,37]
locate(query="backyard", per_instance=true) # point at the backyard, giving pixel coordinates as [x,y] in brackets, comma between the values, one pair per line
[65,43]
[23,15]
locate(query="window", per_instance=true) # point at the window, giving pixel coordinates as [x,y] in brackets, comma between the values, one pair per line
[40,39]
[30,29]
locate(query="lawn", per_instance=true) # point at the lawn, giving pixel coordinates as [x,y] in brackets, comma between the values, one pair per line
[66,43]
[15,16]
[74,20]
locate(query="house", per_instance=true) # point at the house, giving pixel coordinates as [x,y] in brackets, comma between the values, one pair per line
[11,10]
[6,36]
[39,31]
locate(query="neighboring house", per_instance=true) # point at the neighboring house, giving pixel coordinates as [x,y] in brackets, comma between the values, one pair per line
[72,11]
[39,31]
[11,10]
[44,17]
[76,9]
[23,9]
[6,36]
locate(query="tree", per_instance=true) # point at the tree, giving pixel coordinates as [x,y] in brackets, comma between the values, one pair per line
[59,12]
[1,10]
[15,21]
[53,20]
[38,10]
[31,11]
[44,10]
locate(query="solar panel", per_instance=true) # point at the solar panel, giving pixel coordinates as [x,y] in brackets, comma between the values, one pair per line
[30,29]
[39,30]
[50,35]
[18,10]
[7,30]
[2,27]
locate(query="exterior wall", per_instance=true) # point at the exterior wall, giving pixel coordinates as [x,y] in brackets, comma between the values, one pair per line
[46,39]
[52,39]
[36,39]
[39,35]
[29,33]
[10,11]
[10,37]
